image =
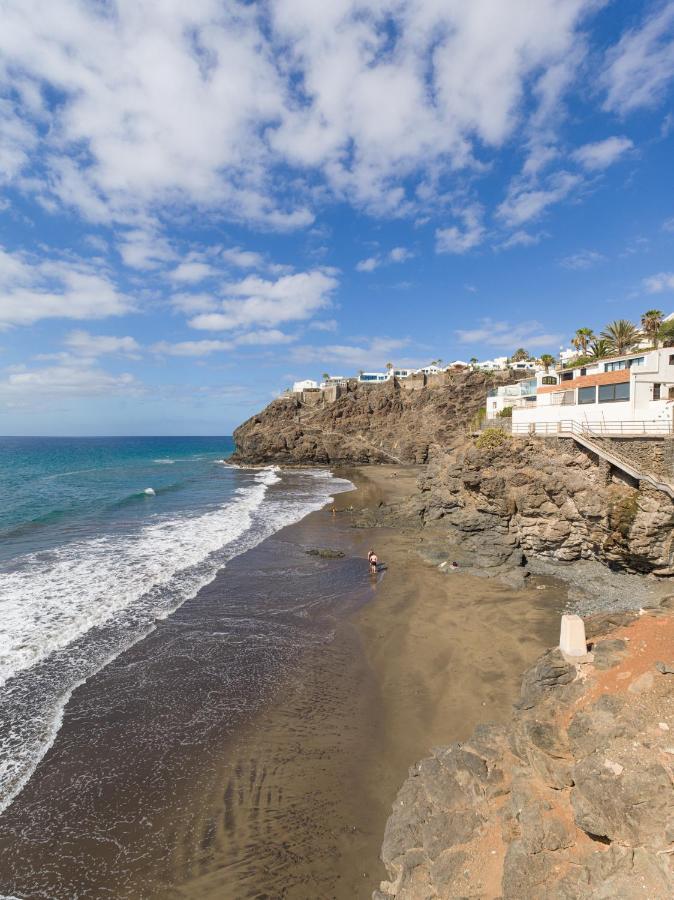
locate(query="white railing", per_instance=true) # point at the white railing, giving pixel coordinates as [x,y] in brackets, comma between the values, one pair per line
[627,428]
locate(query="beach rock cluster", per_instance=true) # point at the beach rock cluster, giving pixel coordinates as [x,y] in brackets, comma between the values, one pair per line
[573,799]
[527,497]
[367,424]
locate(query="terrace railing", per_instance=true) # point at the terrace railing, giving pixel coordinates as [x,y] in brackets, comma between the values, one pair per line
[625,428]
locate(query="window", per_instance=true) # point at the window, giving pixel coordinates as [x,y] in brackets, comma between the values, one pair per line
[671,359]
[583,371]
[624,364]
[612,393]
[549,379]
[656,391]
[567,376]
[587,395]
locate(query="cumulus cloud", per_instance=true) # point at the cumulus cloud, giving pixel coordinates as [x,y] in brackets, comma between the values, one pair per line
[525,202]
[32,289]
[206,347]
[602,154]
[256,301]
[656,284]
[192,270]
[143,248]
[152,104]
[641,65]
[530,334]
[462,239]
[243,259]
[94,345]
[522,238]
[396,255]
[80,379]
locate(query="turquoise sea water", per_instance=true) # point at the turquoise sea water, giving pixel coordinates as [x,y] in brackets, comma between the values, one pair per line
[99,539]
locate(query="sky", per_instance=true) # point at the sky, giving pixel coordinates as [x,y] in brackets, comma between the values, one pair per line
[203,202]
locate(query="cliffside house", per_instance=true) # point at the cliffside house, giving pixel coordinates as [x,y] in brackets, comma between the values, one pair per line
[373,377]
[631,393]
[333,380]
[520,394]
[299,387]
[429,370]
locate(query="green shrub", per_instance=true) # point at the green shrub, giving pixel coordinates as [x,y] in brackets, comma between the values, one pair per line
[491,439]
[506,412]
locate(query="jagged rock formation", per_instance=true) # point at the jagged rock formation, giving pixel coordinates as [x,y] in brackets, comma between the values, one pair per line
[367,424]
[548,498]
[574,799]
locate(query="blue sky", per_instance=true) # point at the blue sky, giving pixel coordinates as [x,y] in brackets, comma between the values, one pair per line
[200,203]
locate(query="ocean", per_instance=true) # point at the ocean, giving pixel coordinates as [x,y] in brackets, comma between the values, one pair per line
[102,539]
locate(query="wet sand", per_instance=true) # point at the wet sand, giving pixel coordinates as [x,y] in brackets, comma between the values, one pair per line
[170,780]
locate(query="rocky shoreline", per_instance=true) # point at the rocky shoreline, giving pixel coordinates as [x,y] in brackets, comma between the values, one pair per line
[573,799]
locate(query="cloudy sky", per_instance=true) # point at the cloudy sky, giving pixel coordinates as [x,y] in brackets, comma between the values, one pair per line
[201,202]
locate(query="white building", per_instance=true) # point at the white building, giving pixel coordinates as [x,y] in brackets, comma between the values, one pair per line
[429,370]
[629,393]
[499,363]
[403,373]
[373,377]
[332,380]
[523,394]
[306,385]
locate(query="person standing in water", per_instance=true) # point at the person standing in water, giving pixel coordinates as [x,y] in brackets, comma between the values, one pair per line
[372,559]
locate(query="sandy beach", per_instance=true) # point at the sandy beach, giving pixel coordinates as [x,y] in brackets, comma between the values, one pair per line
[278,786]
[425,658]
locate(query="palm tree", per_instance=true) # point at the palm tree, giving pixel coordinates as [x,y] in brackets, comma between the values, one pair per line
[547,361]
[666,333]
[389,366]
[600,348]
[325,376]
[520,355]
[622,336]
[474,360]
[581,339]
[650,323]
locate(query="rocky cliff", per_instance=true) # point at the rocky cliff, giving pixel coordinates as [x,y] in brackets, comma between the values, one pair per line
[367,424]
[525,497]
[574,799]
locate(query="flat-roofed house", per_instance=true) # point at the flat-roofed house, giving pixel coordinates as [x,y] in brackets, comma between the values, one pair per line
[373,377]
[633,392]
[307,385]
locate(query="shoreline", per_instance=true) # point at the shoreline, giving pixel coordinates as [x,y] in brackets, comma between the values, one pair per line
[297,799]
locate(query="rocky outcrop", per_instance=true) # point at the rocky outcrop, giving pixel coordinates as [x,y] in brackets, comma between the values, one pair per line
[366,424]
[574,799]
[547,498]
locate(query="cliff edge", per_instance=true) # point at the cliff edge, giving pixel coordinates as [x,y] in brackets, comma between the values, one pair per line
[366,424]
[574,799]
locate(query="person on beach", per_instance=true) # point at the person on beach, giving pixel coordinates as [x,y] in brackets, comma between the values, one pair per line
[372,559]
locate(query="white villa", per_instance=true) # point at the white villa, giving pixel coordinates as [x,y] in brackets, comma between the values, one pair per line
[499,363]
[307,385]
[633,392]
[333,380]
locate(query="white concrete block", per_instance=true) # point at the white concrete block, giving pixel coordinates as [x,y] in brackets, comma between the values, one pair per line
[572,636]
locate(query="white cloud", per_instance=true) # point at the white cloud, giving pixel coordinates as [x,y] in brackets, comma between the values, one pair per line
[31,290]
[142,248]
[205,103]
[206,347]
[530,334]
[656,284]
[193,303]
[192,271]
[668,224]
[525,203]
[584,259]
[369,264]
[602,154]
[373,354]
[324,325]
[75,379]
[461,240]
[94,345]
[641,65]
[522,239]
[243,259]
[255,301]
[400,254]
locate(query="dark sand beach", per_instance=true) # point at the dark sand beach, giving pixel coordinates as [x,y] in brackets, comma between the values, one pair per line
[195,766]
